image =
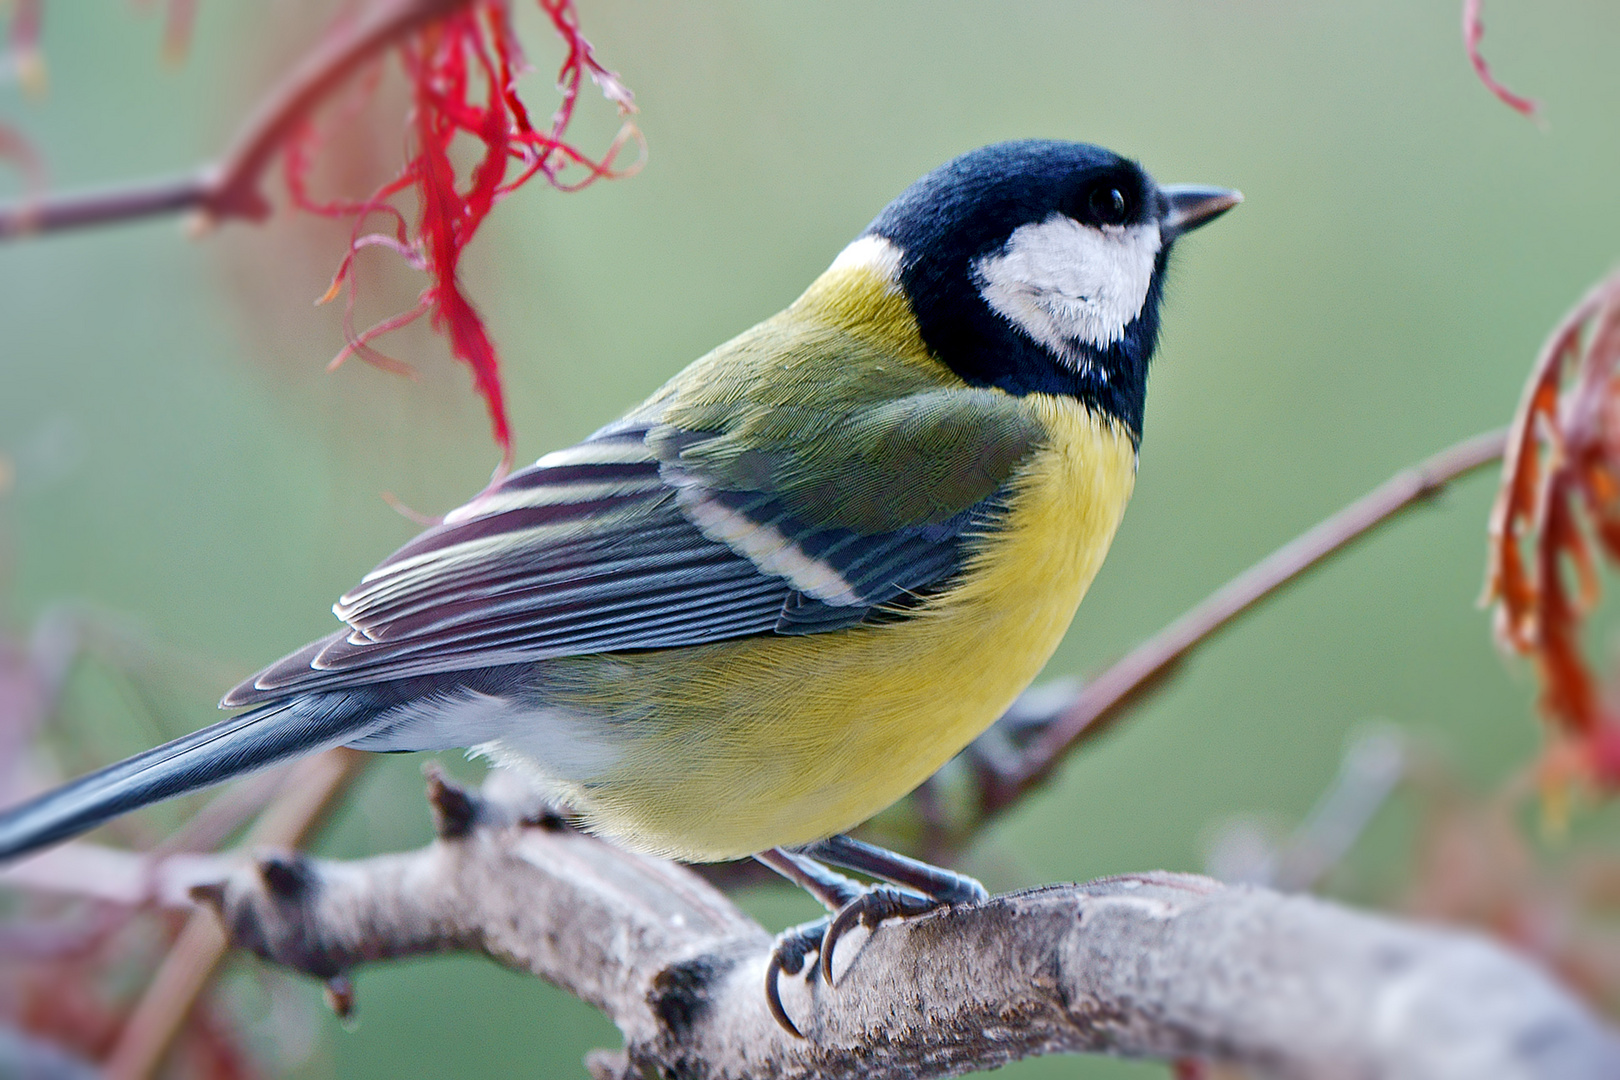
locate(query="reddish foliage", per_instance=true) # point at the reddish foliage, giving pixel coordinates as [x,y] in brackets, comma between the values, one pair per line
[81,1000]
[1473,27]
[463,72]
[1560,494]
[1474,866]
[72,971]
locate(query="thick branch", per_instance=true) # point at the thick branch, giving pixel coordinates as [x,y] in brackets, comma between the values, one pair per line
[1157,965]
[230,187]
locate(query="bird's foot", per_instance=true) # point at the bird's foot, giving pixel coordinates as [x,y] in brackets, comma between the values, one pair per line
[793,946]
[872,907]
[917,889]
[796,945]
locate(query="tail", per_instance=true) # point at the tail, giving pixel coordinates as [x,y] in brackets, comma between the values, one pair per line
[242,744]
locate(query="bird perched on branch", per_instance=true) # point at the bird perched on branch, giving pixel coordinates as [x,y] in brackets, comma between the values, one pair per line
[787,588]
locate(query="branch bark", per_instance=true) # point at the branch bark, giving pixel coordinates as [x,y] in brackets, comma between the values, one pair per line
[1154,965]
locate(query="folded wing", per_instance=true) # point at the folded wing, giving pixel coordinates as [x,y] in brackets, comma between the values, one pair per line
[652,536]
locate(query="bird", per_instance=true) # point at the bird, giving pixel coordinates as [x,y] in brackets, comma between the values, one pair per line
[776,596]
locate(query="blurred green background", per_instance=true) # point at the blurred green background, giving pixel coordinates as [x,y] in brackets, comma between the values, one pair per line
[180,456]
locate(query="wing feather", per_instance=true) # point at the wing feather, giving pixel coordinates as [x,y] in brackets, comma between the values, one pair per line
[627,542]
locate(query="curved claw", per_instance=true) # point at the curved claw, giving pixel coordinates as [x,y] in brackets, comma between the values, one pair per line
[788,955]
[773,997]
[869,909]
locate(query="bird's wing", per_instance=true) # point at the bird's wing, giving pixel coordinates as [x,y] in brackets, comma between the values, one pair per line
[705,524]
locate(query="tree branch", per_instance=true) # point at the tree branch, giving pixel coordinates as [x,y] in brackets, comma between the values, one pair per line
[1156,965]
[230,187]
[1007,772]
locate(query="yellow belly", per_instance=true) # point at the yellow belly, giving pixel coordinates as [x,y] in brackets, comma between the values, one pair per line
[728,749]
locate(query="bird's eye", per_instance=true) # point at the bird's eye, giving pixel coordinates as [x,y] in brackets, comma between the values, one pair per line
[1108,205]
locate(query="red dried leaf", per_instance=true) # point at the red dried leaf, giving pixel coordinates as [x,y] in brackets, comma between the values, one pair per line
[1473,28]
[1560,492]
[463,73]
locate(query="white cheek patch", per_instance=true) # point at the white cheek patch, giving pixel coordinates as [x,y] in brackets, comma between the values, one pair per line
[1066,284]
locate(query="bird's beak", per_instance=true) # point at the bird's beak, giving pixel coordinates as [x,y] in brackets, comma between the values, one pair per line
[1192,205]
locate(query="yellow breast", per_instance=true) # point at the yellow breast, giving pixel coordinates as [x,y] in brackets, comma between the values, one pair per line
[737,747]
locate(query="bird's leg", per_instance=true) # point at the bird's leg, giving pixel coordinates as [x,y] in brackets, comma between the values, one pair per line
[933,886]
[935,882]
[835,891]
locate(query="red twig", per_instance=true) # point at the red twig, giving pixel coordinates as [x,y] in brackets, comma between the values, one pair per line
[1473,29]
[462,60]
[230,187]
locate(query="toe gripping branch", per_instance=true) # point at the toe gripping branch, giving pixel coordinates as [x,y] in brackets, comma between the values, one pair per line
[922,888]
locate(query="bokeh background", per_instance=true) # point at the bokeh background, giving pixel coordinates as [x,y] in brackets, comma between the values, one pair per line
[176,454]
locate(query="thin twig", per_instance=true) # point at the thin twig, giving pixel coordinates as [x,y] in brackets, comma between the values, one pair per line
[229,187]
[115,876]
[1102,700]
[310,793]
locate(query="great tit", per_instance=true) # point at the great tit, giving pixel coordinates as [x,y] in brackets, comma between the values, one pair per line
[779,594]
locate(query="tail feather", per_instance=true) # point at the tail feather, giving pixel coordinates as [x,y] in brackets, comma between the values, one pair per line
[232,747]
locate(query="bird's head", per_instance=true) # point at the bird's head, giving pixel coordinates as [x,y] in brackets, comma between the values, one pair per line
[1037,266]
